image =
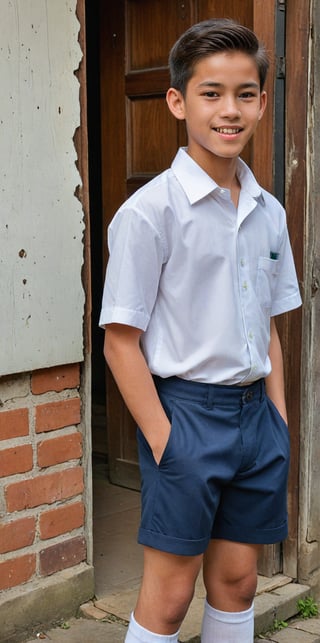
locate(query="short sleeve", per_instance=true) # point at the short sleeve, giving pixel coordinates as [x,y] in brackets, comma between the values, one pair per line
[136,256]
[287,294]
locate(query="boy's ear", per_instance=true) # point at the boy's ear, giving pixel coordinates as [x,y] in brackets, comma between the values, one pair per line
[175,102]
[263,103]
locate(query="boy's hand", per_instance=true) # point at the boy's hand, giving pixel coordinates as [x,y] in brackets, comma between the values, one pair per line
[158,442]
[275,381]
[129,368]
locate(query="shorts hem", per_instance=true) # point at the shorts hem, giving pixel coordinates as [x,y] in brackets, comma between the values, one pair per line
[253,537]
[172,545]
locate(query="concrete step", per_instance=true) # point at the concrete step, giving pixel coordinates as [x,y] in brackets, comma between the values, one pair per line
[297,631]
[106,619]
[276,599]
[279,603]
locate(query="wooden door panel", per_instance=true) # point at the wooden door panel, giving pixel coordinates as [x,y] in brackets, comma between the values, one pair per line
[147,83]
[147,117]
[152,28]
[240,10]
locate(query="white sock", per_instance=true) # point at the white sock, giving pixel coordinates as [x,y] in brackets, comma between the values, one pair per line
[138,634]
[227,627]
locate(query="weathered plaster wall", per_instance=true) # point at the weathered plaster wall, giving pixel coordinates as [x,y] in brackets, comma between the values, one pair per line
[309,561]
[41,220]
[46,533]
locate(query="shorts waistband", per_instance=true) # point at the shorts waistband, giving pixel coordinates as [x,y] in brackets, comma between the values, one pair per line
[211,393]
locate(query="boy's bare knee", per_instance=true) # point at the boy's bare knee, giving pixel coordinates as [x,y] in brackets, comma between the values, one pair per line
[176,605]
[163,610]
[246,589]
[232,594]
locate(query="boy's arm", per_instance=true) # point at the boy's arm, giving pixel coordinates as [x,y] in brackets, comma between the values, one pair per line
[129,368]
[275,381]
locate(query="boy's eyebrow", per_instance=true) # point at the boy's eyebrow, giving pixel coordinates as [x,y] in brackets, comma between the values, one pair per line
[211,83]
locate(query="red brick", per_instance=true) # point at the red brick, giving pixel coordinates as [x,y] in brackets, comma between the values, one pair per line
[17,534]
[56,415]
[16,460]
[14,424]
[63,555]
[44,489]
[15,571]
[62,449]
[57,379]
[61,520]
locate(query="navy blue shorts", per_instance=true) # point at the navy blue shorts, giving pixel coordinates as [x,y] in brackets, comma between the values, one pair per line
[223,473]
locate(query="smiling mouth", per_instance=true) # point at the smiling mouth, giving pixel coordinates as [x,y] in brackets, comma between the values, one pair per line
[228,130]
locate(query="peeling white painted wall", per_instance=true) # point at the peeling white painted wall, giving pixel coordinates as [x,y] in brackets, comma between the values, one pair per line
[41,220]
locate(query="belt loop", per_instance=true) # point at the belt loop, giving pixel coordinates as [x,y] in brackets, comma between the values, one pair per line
[210,395]
[262,390]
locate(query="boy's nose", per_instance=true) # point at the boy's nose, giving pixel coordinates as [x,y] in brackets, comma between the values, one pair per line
[230,108]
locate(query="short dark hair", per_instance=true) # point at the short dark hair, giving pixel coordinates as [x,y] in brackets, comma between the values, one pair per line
[210,37]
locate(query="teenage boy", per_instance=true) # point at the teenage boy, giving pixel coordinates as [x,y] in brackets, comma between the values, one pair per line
[200,263]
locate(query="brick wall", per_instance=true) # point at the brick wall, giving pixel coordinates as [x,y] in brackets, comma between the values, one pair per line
[41,476]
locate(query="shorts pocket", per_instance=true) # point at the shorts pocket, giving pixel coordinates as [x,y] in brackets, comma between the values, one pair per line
[277,412]
[144,444]
[281,431]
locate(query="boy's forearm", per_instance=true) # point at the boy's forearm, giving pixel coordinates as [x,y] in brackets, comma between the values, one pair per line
[275,381]
[129,368]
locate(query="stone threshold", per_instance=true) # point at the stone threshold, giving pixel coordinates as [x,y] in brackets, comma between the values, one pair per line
[276,598]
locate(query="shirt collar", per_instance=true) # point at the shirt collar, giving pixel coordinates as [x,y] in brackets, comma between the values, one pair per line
[197,184]
[248,181]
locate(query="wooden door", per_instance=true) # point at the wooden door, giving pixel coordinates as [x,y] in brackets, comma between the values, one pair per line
[140,139]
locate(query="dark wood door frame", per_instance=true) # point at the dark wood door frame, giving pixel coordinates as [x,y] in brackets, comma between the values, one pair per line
[297,44]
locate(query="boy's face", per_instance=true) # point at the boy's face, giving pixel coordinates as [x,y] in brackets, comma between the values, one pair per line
[222,106]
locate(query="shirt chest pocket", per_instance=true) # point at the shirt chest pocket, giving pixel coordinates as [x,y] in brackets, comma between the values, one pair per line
[268,270]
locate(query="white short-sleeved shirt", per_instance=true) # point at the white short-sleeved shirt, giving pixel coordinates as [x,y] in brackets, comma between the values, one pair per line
[198,276]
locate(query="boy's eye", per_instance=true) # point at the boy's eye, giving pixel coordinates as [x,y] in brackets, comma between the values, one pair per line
[211,94]
[247,95]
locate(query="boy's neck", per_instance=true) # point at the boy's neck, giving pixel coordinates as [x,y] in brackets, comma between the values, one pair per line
[223,171]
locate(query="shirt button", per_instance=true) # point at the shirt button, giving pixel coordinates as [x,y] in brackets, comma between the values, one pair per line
[245,286]
[242,262]
[250,335]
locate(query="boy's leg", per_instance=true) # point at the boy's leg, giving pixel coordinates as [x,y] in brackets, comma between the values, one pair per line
[166,591]
[230,576]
